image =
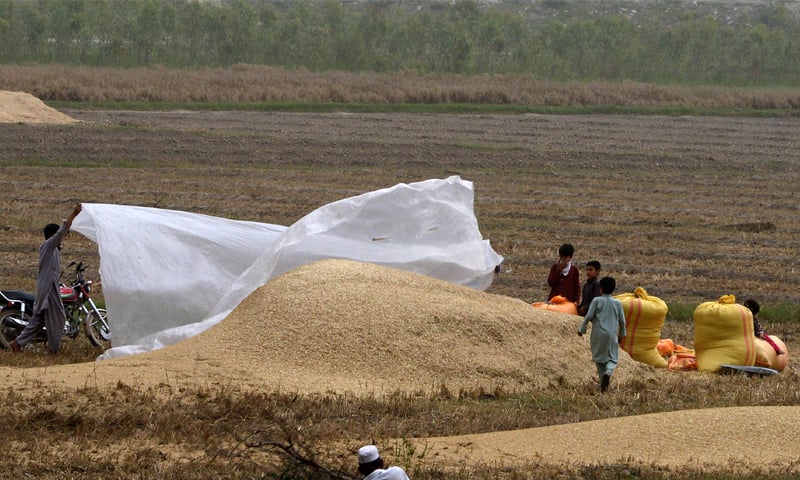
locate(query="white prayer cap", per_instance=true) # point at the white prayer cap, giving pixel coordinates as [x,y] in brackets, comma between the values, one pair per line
[367,454]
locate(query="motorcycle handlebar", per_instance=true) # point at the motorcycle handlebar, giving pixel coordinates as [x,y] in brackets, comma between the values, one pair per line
[79,268]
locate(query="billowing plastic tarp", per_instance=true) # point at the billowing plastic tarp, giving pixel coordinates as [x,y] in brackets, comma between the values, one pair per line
[168,275]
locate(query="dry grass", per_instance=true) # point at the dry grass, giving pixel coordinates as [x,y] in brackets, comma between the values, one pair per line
[253,83]
[214,426]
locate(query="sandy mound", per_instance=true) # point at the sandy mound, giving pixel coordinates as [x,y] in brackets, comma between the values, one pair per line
[340,326]
[20,107]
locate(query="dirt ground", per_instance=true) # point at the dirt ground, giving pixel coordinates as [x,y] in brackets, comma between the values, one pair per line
[691,208]
[339,327]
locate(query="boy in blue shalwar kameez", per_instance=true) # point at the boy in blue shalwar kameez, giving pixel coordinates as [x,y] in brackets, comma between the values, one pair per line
[608,329]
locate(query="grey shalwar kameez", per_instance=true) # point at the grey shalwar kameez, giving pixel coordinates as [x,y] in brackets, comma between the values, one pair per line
[608,325]
[48,311]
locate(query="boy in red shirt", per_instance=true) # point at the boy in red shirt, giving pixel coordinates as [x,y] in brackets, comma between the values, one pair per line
[564,276]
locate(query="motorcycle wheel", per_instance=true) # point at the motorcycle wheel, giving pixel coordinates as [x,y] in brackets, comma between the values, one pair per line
[97,328]
[8,333]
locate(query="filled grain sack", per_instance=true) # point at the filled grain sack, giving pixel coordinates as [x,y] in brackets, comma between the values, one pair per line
[723,334]
[558,304]
[644,318]
[767,357]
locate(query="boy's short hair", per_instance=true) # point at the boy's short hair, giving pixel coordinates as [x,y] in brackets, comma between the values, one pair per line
[50,229]
[607,285]
[566,250]
[594,264]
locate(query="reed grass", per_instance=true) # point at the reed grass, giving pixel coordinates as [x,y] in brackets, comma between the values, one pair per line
[253,87]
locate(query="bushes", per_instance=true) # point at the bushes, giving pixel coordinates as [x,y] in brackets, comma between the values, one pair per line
[658,43]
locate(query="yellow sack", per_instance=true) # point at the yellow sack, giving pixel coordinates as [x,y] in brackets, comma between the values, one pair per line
[644,318]
[723,334]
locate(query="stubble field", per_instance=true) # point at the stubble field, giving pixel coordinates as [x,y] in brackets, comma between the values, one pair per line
[690,208]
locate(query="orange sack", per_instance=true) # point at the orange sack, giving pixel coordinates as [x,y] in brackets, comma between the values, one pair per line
[682,361]
[766,356]
[644,318]
[667,347]
[558,304]
[723,334]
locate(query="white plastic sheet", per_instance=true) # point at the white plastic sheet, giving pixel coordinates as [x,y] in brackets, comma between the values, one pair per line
[168,275]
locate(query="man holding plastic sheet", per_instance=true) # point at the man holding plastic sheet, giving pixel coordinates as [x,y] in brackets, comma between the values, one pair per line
[48,311]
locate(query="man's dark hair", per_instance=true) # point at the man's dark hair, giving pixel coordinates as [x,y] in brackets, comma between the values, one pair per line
[50,229]
[367,468]
[752,305]
[594,264]
[566,250]
[607,285]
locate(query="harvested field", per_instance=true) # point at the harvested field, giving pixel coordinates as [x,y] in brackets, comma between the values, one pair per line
[689,208]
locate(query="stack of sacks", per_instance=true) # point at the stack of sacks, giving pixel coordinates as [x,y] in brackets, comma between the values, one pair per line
[558,304]
[723,334]
[644,317]
[767,357]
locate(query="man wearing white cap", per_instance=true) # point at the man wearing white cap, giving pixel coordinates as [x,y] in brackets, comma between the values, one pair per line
[370,464]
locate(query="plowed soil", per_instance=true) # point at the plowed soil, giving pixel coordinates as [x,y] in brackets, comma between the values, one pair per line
[689,208]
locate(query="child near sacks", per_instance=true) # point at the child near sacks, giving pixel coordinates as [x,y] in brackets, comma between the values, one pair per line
[591,288]
[564,278]
[608,329]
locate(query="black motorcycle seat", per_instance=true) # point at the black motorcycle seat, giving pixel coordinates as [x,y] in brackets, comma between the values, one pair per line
[18,295]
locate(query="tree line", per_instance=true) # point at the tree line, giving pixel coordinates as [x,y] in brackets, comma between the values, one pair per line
[666,42]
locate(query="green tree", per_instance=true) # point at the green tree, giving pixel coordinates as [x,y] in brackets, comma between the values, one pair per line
[192,38]
[9,34]
[34,18]
[372,36]
[65,26]
[145,30]
[232,33]
[665,41]
[303,38]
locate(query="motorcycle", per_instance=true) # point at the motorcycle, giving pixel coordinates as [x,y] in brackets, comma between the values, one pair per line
[79,307]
